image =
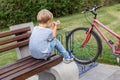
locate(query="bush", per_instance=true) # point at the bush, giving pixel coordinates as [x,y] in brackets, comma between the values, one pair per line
[20,11]
[109,2]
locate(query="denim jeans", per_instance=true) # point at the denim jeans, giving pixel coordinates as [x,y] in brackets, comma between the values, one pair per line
[55,43]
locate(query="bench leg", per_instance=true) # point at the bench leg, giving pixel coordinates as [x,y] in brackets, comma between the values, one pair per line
[61,71]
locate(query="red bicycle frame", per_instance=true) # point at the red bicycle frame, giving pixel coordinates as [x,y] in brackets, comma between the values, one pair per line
[95,24]
[95,21]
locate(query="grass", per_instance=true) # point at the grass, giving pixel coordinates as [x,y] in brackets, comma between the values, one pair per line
[8,57]
[107,15]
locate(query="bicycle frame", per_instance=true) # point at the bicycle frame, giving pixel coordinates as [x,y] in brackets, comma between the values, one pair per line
[95,21]
[95,24]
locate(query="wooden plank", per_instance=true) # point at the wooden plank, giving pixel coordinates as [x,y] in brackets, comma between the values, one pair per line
[15,38]
[22,67]
[23,74]
[12,32]
[17,64]
[14,45]
[7,66]
[28,65]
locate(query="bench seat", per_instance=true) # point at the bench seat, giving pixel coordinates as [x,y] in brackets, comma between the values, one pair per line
[26,67]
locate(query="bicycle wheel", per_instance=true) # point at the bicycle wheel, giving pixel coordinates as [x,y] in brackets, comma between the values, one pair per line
[90,51]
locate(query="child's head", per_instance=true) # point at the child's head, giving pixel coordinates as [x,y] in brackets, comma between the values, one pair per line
[44,16]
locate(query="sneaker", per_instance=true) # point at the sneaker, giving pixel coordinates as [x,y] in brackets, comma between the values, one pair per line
[67,61]
[71,55]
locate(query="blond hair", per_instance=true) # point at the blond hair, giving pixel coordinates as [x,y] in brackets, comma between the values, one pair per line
[44,16]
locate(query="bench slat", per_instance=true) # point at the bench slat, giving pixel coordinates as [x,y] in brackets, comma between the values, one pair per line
[15,45]
[15,38]
[37,67]
[16,31]
[21,68]
[18,64]
[14,63]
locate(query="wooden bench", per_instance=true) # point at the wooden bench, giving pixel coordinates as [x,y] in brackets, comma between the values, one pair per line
[25,67]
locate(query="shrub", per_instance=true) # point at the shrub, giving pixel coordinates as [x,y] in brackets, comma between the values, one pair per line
[20,11]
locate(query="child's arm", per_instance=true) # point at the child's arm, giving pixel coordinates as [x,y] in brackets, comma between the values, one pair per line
[54,28]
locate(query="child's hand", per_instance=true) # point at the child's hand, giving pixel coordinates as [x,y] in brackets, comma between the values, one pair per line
[56,23]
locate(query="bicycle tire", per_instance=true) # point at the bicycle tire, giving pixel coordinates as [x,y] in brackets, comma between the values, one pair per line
[89,55]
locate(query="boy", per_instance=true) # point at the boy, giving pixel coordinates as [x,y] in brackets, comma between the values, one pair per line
[43,39]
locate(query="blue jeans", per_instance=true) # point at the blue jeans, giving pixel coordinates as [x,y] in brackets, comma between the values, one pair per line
[55,43]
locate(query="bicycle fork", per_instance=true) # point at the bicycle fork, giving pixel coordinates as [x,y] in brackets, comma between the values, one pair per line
[87,38]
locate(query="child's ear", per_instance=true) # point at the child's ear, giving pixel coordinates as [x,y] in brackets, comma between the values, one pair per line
[49,21]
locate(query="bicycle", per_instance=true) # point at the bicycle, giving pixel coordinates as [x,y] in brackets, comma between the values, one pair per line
[87,45]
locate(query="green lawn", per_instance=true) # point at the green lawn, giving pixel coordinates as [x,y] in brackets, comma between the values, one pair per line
[108,15]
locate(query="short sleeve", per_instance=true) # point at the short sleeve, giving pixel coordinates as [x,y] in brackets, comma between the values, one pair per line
[50,37]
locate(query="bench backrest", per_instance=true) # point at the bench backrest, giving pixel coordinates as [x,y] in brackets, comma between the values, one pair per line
[24,50]
[20,38]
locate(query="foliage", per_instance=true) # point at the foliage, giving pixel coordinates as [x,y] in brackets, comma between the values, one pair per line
[20,11]
[108,2]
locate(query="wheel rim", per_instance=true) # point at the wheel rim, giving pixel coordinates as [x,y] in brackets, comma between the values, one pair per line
[88,52]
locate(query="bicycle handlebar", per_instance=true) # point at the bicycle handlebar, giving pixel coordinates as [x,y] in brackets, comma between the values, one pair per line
[93,10]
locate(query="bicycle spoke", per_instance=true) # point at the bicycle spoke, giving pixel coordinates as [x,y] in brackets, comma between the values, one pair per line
[89,51]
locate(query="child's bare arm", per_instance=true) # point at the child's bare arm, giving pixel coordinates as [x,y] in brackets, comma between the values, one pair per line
[54,28]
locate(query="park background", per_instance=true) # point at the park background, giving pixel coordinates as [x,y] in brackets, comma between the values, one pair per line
[14,12]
